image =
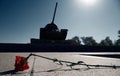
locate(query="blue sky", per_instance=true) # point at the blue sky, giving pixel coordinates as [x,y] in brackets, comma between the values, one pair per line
[21,20]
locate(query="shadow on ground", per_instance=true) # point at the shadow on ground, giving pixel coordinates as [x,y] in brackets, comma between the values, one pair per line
[8,72]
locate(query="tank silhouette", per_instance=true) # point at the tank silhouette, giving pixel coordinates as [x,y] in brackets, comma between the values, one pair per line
[51,31]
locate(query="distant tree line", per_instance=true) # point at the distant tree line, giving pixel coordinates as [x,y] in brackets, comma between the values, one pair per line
[90,41]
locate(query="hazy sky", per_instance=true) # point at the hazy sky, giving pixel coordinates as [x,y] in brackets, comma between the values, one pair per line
[21,20]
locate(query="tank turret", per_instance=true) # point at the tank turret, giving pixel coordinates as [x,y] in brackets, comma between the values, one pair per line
[51,31]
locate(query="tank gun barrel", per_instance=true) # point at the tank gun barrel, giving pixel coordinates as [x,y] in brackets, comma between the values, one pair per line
[54,12]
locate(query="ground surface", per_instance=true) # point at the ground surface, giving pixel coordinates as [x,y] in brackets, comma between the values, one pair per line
[44,67]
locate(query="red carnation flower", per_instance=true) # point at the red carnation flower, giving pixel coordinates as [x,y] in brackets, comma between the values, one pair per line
[18,64]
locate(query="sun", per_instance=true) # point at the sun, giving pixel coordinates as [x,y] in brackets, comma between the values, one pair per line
[88,2]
